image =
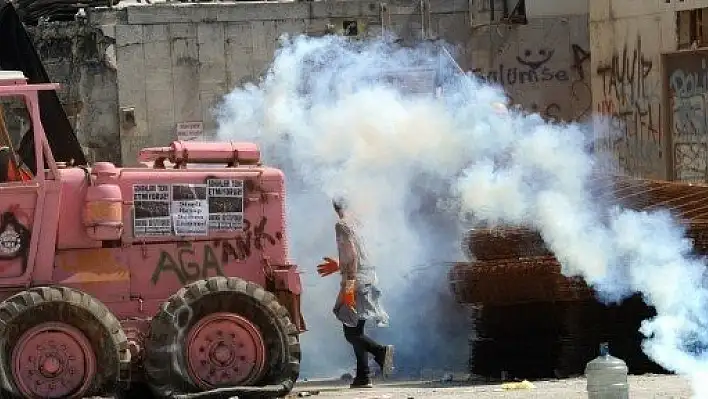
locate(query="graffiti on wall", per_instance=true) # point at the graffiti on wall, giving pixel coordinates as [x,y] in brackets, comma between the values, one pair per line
[542,68]
[631,97]
[687,78]
[532,67]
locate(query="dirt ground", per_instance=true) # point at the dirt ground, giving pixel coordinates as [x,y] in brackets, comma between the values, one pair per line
[641,387]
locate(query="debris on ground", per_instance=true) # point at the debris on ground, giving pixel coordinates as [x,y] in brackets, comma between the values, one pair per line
[525,384]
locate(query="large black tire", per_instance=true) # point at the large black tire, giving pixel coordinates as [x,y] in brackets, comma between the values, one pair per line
[35,306]
[136,390]
[165,363]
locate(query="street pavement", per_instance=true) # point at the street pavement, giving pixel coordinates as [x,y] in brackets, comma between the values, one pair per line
[641,387]
[648,386]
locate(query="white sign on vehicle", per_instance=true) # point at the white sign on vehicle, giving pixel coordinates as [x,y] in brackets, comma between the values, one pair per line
[10,241]
[190,130]
[151,206]
[225,204]
[190,209]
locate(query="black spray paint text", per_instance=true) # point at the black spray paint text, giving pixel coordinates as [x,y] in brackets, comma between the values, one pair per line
[513,76]
[186,266]
[254,236]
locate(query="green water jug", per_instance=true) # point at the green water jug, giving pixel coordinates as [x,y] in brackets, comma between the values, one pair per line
[606,376]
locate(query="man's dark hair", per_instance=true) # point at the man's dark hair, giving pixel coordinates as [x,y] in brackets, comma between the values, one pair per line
[339,204]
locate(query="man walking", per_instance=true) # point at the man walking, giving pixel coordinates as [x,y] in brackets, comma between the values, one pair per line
[358,299]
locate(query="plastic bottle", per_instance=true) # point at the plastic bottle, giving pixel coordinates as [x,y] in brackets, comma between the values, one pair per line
[606,376]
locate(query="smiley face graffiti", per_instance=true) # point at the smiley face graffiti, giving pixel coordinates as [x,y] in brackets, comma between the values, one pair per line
[536,61]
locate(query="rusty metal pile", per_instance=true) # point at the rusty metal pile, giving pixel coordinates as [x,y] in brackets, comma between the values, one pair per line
[530,312]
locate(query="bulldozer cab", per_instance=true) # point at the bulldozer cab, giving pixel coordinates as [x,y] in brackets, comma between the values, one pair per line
[21,193]
[14,124]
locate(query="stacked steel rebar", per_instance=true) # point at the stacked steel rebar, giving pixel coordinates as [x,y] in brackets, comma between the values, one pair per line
[535,322]
[513,265]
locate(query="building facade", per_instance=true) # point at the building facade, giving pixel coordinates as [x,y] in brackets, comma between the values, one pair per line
[650,74]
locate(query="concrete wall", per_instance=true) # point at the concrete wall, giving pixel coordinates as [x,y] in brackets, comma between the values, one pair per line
[75,55]
[176,61]
[133,73]
[543,65]
[550,8]
[656,93]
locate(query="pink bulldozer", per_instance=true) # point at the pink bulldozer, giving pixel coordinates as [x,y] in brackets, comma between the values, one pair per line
[160,281]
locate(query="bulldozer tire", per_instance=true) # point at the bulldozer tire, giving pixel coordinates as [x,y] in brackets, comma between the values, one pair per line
[58,342]
[222,331]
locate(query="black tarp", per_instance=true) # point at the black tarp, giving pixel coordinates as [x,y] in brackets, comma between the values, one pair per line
[17,53]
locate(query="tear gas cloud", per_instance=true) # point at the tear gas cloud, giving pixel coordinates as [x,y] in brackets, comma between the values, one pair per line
[414,166]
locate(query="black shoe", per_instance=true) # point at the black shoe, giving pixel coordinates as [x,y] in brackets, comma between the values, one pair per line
[385,361]
[361,383]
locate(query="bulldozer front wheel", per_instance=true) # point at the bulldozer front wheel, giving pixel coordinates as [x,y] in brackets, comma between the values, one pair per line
[53,360]
[221,332]
[224,349]
[52,341]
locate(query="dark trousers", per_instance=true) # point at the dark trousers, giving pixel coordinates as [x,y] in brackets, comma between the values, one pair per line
[363,345]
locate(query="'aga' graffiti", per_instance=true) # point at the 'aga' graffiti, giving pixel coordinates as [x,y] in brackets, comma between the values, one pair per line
[187,266]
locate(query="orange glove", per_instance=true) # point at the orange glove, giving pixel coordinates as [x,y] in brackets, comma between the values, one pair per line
[328,267]
[349,294]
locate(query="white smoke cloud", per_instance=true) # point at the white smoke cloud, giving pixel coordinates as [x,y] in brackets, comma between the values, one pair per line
[411,165]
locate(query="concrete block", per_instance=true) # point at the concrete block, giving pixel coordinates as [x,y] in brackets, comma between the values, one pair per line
[632,8]
[183,31]
[159,90]
[265,38]
[212,65]
[129,34]
[239,50]
[265,12]
[108,30]
[343,9]
[453,27]
[185,69]
[131,85]
[210,101]
[550,8]
[293,27]
[130,146]
[155,33]
[158,65]
[600,10]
